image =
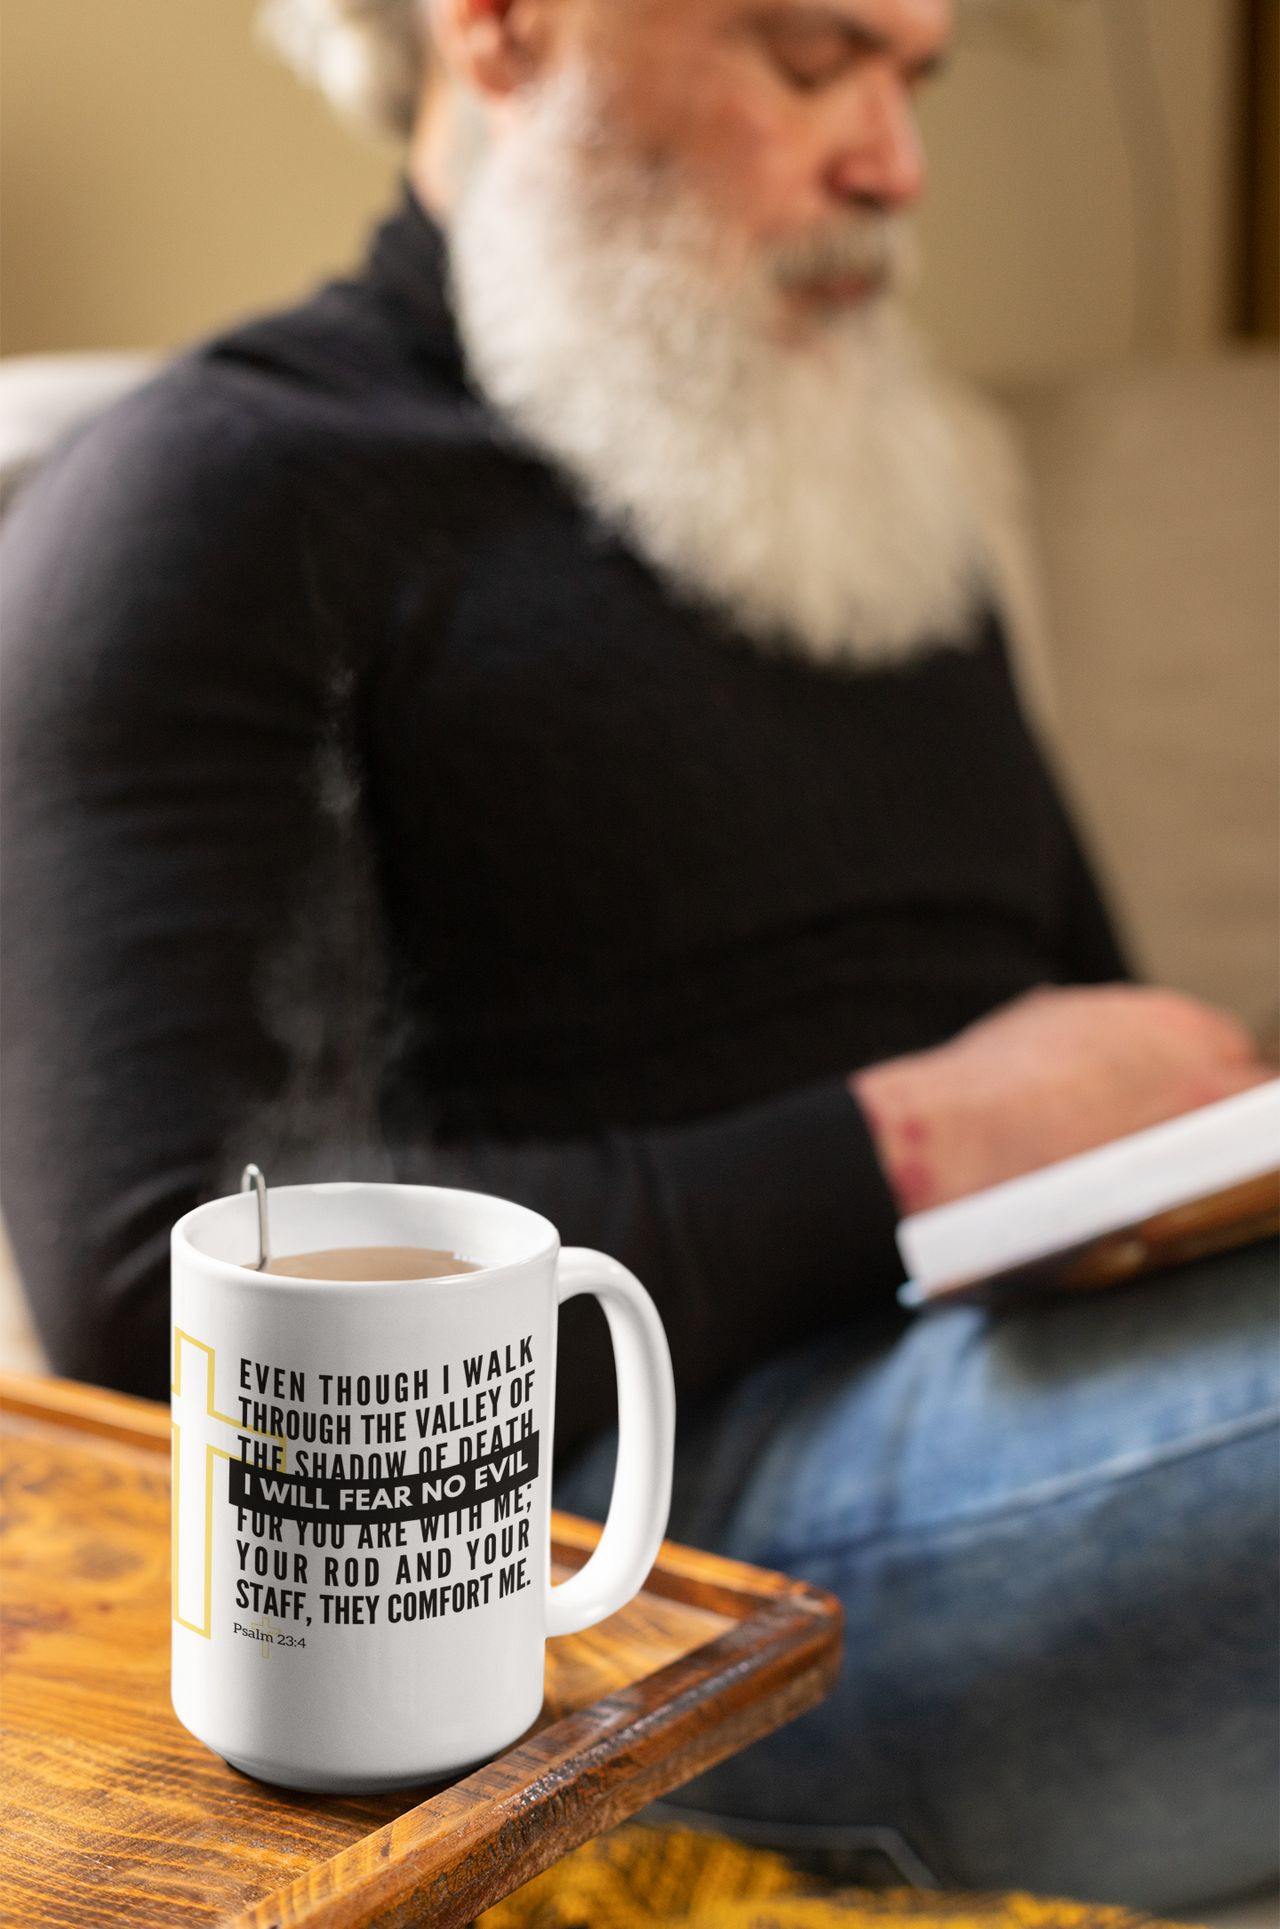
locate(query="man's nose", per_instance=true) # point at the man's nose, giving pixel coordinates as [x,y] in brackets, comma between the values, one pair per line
[881,161]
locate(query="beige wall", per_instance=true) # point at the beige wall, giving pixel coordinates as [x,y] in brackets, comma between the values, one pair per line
[1081,206]
[160,175]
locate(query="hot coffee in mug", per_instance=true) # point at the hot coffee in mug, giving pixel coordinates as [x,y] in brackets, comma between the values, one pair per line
[361,1477]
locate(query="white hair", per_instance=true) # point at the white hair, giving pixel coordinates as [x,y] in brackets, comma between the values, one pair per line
[821,500]
[367,57]
[811,490]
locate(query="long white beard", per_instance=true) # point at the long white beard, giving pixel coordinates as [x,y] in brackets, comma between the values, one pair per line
[809,488]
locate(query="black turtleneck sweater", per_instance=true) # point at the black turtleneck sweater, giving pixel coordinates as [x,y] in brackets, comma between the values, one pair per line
[370,809]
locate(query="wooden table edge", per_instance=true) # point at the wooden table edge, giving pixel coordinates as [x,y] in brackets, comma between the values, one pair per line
[444,1860]
[650,1749]
[87,1409]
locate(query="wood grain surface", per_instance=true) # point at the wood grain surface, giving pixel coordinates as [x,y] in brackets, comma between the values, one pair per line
[115,1814]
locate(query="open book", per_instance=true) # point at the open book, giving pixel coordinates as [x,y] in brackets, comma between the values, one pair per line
[1194,1185]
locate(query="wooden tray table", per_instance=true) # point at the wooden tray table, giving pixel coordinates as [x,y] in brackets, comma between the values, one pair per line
[114,1814]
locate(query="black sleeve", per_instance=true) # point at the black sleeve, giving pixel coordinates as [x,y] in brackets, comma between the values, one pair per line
[753,1230]
[172,693]
[160,726]
[1091,948]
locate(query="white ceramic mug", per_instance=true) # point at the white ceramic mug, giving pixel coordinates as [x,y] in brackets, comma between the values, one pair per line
[361,1477]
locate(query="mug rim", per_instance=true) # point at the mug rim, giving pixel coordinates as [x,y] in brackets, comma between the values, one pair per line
[233,1269]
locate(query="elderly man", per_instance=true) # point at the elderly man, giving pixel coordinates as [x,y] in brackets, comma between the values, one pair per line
[533,718]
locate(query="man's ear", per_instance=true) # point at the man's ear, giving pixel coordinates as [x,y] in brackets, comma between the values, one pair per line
[493,45]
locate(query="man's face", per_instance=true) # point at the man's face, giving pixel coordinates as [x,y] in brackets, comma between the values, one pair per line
[781,116]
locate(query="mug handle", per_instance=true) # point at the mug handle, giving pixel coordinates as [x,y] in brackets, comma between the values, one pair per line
[641,1498]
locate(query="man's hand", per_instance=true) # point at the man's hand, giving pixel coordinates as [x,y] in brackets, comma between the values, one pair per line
[1053,1073]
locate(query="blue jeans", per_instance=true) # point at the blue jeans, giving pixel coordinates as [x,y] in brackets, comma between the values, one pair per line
[1054,1534]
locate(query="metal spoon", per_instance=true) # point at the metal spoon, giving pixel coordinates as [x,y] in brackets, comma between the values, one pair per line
[251,1180]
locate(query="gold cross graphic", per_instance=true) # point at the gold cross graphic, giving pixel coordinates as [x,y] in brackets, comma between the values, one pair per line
[196,1424]
[266,1627]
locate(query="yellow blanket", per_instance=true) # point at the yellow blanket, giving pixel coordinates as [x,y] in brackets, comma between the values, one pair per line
[645,1878]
